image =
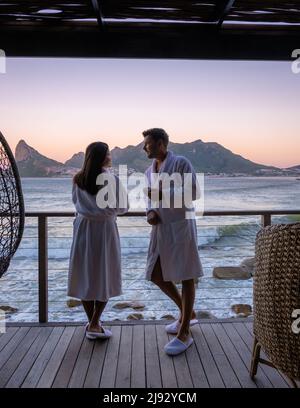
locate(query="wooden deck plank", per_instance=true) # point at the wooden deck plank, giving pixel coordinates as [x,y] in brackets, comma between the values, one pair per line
[248,340]
[109,371]
[261,379]
[229,377]
[195,365]
[232,354]
[124,360]
[40,363]
[123,322]
[247,354]
[168,375]
[27,362]
[6,337]
[93,376]
[182,371]
[82,363]
[276,379]
[249,327]
[55,360]
[153,374]
[16,357]
[138,367]
[65,370]
[212,373]
[12,344]
[45,356]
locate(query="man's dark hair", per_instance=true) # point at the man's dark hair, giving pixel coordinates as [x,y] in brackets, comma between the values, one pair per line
[157,134]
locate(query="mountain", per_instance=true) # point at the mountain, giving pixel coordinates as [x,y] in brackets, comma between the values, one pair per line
[294,168]
[76,160]
[208,157]
[31,163]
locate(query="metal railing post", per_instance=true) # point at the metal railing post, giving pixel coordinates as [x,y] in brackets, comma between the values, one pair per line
[43,268]
[266,220]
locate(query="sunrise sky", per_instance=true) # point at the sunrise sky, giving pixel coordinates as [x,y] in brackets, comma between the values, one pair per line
[60,105]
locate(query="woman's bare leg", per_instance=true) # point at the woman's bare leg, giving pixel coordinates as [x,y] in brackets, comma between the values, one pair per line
[188,299]
[98,310]
[88,306]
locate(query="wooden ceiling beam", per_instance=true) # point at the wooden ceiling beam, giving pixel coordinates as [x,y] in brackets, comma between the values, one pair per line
[224,44]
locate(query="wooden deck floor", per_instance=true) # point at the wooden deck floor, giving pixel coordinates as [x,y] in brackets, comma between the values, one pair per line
[60,356]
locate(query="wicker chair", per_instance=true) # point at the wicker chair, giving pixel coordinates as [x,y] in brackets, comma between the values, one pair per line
[276,296]
[11,206]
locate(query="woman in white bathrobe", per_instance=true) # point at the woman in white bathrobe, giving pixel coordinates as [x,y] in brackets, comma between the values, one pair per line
[95,259]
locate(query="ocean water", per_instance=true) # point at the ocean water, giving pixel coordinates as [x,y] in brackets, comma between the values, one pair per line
[223,241]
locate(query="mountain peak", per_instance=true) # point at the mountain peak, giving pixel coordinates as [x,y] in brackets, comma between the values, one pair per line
[23,151]
[22,142]
[31,163]
[76,160]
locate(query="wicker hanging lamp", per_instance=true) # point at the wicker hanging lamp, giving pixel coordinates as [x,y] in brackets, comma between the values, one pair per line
[11,206]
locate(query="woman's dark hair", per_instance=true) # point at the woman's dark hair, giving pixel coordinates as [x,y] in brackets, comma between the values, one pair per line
[94,158]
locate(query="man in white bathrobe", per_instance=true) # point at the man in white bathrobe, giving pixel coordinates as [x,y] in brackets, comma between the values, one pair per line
[173,250]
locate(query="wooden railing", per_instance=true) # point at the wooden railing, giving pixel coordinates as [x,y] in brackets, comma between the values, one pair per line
[266,219]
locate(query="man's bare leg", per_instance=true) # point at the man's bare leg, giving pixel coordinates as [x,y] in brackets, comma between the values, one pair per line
[169,288]
[188,299]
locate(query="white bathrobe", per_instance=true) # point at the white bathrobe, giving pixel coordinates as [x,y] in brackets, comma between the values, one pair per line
[95,259]
[174,239]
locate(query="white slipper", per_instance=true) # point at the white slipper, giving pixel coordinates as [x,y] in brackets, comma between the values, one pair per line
[87,325]
[173,328]
[98,335]
[176,346]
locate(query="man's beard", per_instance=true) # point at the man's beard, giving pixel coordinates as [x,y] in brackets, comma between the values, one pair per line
[152,155]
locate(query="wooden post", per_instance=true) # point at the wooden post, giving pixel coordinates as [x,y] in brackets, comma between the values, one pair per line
[266,220]
[43,268]
[255,358]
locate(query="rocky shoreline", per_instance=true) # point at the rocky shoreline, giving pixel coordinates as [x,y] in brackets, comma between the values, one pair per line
[244,271]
